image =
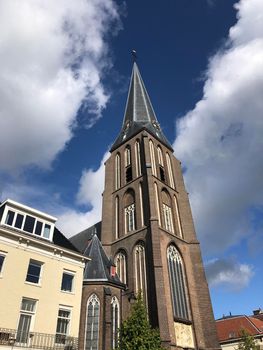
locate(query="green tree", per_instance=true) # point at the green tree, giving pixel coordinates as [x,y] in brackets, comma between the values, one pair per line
[136,332]
[247,341]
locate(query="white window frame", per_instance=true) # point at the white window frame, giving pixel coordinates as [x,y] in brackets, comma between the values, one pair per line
[2,254]
[69,318]
[29,313]
[36,263]
[24,214]
[69,273]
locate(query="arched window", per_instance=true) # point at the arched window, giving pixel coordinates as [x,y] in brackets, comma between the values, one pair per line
[115,322]
[160,156]
[177,283]
[92,323]
[127,156]
[138,158]
[167,211]
[140,270]
[128,164]
[141,204]
[152,155]
[161,164]
[178,217]
[157,203]
[170,172]
[129,211]
[117,217]
[120,262]
[117,172]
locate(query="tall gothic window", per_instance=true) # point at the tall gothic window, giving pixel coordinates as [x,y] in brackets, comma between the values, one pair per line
[120,262]
[117,217]
[152,155]
[117,172]
[141,204]
[127,156]
[178,217]
[161,164]
[138,158]
[92,323]
[130,218]
[140,270]
[157,203]
[115,322]
[129,211]
[177,283]
[170,172]
[167,211]
[128,166]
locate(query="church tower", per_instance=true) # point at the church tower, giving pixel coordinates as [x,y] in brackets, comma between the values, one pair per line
[148,230]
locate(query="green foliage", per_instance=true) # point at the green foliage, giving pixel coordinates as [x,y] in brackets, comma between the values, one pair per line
[247,341]
[136,332]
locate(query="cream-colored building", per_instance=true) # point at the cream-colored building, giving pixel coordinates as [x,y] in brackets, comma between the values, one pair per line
[41,275]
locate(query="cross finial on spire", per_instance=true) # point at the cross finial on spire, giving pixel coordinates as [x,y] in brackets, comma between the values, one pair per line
[134,55]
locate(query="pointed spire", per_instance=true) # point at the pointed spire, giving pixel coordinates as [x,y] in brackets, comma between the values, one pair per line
[99,268]
[139,113]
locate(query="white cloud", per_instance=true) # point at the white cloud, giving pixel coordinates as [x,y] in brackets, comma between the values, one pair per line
[220,141]
[90,194]
[229,274]
[52,57]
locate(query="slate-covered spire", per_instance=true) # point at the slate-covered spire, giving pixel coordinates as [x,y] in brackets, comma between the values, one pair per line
[99,267]
[139,113]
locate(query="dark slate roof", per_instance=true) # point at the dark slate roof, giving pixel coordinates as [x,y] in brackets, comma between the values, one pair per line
[98,268]
[139,113]
[82,239]
[60,240]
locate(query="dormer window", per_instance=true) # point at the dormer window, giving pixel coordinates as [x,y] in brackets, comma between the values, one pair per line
[27,222]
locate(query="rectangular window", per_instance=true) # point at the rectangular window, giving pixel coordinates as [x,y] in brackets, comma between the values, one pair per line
[27,311]
[67,282]
[47,231]
[38,228]
[29,224]
[19,220]
[10,217]
[34,271]
[2,258]
[62,325]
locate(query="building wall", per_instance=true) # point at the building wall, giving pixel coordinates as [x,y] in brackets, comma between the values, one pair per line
[200,332]
[104,292]
[19,249]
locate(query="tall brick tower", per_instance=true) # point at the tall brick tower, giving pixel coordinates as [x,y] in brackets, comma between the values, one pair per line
[148,230]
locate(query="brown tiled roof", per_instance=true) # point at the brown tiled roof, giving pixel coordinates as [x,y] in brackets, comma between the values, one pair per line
[229,328]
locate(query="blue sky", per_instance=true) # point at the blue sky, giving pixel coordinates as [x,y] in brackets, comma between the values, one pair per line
[65,69]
